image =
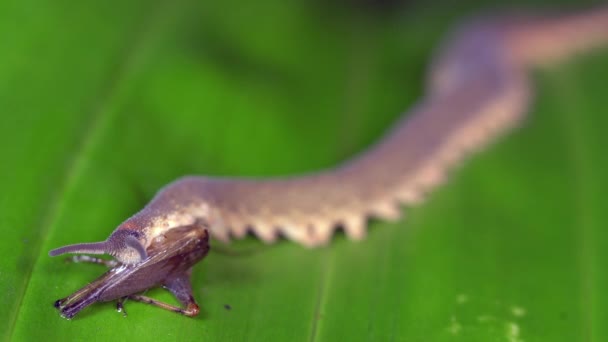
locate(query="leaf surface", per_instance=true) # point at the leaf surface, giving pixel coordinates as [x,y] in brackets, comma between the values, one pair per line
[105,102]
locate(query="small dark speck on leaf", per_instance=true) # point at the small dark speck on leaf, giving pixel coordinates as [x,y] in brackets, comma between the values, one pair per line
[227,307]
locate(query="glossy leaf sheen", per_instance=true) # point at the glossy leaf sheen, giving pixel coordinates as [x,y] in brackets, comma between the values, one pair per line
[104,102]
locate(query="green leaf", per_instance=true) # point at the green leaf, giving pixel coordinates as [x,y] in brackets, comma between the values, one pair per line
[104,102]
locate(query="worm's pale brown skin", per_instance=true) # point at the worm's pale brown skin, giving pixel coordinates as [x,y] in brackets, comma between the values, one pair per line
[478,87]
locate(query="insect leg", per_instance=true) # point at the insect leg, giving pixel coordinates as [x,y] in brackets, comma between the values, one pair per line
[120,306]
[92,260]
[190,310]
[182,290]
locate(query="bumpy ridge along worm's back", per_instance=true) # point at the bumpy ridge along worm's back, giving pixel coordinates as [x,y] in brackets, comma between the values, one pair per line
[477,89]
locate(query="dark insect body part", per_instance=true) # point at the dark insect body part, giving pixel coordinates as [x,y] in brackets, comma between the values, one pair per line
[168,264]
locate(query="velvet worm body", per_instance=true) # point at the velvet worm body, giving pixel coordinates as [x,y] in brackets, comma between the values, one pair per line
[477,88]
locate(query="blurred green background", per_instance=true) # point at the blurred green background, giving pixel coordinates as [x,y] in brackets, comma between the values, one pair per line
[103,102]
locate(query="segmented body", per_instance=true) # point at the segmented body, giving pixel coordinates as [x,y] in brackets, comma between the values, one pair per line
[478,88]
